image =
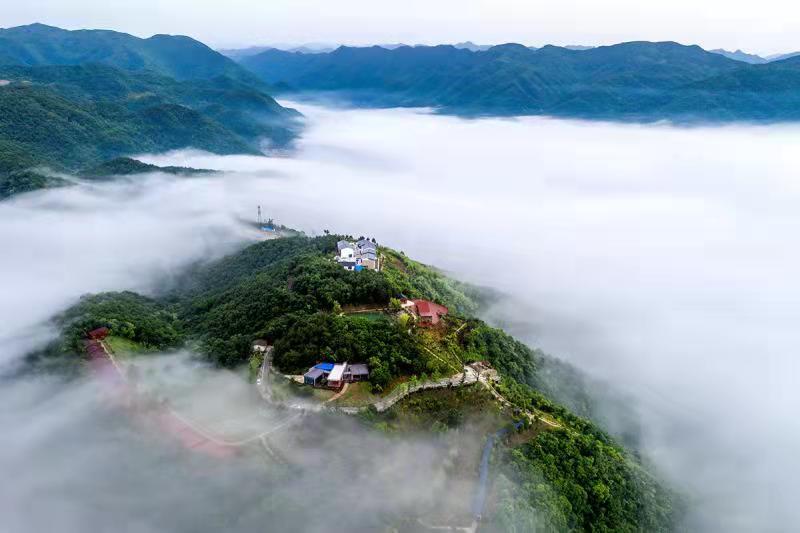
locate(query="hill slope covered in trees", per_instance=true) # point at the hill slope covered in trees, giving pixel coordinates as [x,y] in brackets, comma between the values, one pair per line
[569,475]
[72,100]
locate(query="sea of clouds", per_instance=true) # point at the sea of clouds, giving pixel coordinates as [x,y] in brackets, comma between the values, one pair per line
[658,259]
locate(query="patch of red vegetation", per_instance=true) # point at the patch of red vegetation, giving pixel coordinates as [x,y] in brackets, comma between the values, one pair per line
[109,375]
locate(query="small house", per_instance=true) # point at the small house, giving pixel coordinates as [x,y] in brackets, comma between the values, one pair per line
[429,313]
[260,345]
[98,334]
[357,372]
[317,374]
[336,376]
[346,249]
[314,377]
[365,245]
[351,255]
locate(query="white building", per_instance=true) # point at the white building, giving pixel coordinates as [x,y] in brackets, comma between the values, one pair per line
[336,377]
[357,256]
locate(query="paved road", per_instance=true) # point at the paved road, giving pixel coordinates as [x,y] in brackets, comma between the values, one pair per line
[479,501]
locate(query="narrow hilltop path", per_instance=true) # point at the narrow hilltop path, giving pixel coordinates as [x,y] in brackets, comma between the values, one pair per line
[533,416]
[338,394]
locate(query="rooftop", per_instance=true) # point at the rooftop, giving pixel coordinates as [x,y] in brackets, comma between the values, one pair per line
[359,369]
[314,373]
[99,333]
[337,372]
[428,308]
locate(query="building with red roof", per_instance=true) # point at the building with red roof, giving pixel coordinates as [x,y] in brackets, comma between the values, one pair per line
[98,334]
[429,313]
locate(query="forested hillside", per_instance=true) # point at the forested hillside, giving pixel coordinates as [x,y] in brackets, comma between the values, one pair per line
[567,475]
[175,56]
[73,100]
[38,126]
[628,81]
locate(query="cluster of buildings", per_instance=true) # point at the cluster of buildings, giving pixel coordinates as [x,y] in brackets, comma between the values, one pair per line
[359,255]
[334,375]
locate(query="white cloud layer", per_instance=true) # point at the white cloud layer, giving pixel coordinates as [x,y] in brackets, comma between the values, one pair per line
[658,258]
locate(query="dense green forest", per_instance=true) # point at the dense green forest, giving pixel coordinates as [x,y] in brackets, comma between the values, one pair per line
[573,481]
[67,104]
[573,477]
[126,314]
[38,126]
[628,81]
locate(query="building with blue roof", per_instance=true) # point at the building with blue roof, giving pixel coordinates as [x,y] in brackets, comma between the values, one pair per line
[314,377]
[334,375]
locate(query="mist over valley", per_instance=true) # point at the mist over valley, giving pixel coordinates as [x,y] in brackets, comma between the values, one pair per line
[544,283]
[653,258]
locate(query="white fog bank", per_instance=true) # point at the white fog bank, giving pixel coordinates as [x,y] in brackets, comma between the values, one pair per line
[657,258]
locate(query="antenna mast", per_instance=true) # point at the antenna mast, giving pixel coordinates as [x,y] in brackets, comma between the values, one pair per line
[259,216]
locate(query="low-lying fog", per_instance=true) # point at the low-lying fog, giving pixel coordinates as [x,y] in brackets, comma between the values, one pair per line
[659,259]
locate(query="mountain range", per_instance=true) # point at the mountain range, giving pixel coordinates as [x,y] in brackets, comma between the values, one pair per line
[628,81]
[70,100]
[176,56]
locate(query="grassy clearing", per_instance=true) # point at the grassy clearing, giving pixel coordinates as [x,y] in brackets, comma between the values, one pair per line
[125,348]
[372,316]
[358,395]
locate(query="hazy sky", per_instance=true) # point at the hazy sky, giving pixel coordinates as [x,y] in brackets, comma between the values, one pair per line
[765,27]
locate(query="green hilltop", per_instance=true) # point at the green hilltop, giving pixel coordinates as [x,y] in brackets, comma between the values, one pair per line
[558,472]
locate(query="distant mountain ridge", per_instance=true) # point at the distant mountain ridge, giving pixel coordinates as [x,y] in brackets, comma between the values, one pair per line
[781,57]
[739,55]
[628,81]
